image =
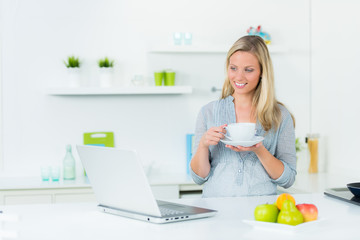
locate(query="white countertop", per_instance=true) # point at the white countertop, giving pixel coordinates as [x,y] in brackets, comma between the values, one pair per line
[304,183]
[318,182]
[83,221]
[24,183]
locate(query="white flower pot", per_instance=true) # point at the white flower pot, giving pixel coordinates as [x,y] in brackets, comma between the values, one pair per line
[106,77]
[73,79]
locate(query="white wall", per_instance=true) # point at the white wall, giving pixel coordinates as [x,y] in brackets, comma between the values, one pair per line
[335,81]
[38,35]
[1,104]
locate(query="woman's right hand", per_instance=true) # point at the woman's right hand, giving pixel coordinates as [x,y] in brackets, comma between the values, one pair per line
[213,136]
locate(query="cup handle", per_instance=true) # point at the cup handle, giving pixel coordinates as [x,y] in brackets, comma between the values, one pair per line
[226,136]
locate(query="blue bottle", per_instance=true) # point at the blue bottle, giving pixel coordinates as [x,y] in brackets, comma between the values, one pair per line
[69,165]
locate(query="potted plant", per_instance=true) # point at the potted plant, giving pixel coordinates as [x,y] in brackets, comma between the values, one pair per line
[106,71]
[72,62]
[299,147]
[73,67]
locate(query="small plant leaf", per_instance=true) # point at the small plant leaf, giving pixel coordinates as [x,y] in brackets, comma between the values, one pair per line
[72,62]
[105,63]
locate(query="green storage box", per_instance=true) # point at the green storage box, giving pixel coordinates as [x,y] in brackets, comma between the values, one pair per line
[105,139]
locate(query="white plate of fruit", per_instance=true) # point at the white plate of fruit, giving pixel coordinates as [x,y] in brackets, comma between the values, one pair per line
[285,214]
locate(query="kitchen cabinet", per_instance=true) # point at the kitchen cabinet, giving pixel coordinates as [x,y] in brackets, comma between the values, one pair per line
[46,195]
[31,190]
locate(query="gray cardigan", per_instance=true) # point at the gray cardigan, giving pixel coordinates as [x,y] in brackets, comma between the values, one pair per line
[241,173]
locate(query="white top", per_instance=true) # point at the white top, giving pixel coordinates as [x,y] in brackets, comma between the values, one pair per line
[234,174]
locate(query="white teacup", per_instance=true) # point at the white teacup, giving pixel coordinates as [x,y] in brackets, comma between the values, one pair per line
[241,131]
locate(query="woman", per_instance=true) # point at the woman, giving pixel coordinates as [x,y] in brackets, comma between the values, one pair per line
[248,95]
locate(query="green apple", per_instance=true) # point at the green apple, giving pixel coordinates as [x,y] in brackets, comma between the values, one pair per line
[266,213]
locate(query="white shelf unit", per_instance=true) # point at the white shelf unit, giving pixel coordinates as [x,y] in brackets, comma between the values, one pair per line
[129,90]
[207,49]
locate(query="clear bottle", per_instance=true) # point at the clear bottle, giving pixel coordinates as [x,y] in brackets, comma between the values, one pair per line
[69,165]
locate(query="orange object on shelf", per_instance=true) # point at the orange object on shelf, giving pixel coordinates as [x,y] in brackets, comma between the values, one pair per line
[313,146]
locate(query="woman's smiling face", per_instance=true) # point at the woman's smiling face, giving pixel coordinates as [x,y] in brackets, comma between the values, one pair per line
[244,72]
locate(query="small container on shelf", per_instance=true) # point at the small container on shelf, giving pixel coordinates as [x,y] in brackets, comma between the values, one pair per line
[45,173]
[69,172]
[313,146]
[169,78]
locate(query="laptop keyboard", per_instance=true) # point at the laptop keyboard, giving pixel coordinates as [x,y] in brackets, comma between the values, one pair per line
[167,211]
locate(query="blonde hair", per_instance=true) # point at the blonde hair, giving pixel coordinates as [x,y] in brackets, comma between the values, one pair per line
[267,110]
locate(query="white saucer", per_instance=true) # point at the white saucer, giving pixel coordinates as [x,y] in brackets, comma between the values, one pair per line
[250,143]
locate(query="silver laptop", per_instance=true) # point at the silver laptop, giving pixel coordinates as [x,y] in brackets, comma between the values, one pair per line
[122,188]
[342,194]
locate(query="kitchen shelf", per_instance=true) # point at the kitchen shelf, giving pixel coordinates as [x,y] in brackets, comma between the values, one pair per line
[128,90]
[207,49]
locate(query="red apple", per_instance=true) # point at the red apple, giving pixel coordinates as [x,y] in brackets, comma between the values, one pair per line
[309,211]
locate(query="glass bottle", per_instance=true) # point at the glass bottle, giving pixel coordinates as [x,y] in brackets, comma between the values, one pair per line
[313,146]
[69,165]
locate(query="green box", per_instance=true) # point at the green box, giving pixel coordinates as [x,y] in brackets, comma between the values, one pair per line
[105,139]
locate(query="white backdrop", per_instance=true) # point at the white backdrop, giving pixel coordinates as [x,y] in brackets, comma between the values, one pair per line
[335,81]
[38,35]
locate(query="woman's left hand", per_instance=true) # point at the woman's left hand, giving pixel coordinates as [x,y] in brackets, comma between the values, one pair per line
[253,148]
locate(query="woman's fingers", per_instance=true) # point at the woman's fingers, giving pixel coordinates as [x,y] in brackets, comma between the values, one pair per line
[214,139]
[217,135]
[233,148]
[214,135]
[217,129]
[244,149]
[238,148]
